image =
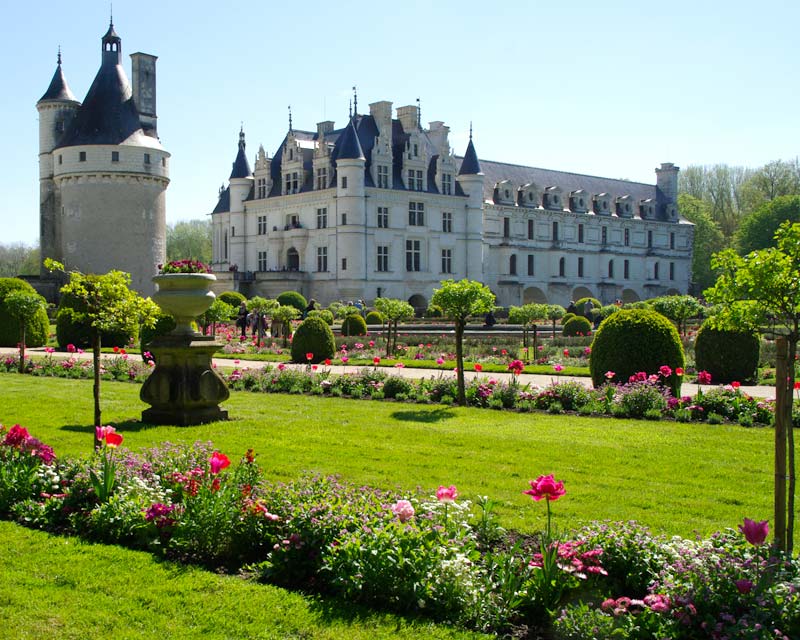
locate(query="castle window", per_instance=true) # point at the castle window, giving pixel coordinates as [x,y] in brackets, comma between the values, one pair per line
[626,269]
[580,267]
[649,239]
[530,196]
[413,255]
[610,268]
[60,159]
[262,226]
[322,178]
[447,184]
[671,240]
[655,271]
[416,214]
[562,267]
[604,235]
[261,188]
[447,261]
[344,264]
[506,227]
[262,260]
[383,217]
[580,233]
[414,180]
[59,126]
[147,158]
[383,258]
[115,156]
[447,222]
[233,232]
[671,270]
[163,162]
[322,258]
[416,150]
[383,176]
[531,265]
[530,229]
[555,231]
[81,156]
[512,265]
[344,182]
[344,219]
[322,221]
[627,238]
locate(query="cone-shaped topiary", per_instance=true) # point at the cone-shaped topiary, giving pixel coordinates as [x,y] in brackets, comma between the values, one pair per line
[314,337]
[635,340]
[36,329]
[729,355]
[577,326]
[354,325]
[293,299]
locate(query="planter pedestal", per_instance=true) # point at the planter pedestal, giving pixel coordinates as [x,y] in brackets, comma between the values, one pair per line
[183,389]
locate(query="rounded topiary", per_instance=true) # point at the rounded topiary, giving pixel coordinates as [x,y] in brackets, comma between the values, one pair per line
[354,325]
[293,299]
[233,298]
[374,317]
[326,315]
[164,324]
[635,340]
[728,355]
[577,326]
[313,336]
[581,304]
[567,317]
[37,329]
[72,327]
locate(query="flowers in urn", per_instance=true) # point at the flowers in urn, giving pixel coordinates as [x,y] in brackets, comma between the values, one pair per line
[184,266]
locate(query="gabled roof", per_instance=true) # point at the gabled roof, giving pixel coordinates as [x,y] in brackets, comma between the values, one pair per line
[470,164]
[241,167]
[58,89]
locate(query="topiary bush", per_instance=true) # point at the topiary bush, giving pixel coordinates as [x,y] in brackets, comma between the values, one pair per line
[577,326]
[728,355]
[37,329]
[164,324]
[567,317]
[580,304]
[326,315]
[314,336]
[293,299]
[354,325]
[636,340]
[233,298]
[374,317]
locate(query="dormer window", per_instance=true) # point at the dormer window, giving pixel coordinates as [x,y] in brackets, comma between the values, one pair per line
[552,198]
[624,207]
[502,192]
[671,211]
[528,195]
[447,184]
[601,203]
[647,209]
[383,176]
[578,201]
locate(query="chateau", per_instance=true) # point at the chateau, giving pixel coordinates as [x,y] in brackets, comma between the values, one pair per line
[383,207]
[103,171]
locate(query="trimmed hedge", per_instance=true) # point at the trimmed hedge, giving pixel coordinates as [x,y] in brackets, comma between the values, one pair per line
[635,340]
[580,304]
[314,336]
[37,328]
[728,355]
[326,315]
[354,325]
[233,298]
[374,317]
[577,325]
[293,299]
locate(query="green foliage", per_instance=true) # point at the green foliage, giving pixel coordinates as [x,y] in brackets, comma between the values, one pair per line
[708,240]
[577,326]
[189,239]
[567,317]
[527,314]
[292,299]
[74,327]
[325,314]
[434,311]
[581,304]
[263,306]
[164,324]
[677,308]
[374,317]
[233,298]
[758,230]
[18,259]
[461,299]
[635,340]
[727,354]
[354,325]
[314,336]
[36,328]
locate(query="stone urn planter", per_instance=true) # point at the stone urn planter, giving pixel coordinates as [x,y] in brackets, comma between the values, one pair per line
[184,296]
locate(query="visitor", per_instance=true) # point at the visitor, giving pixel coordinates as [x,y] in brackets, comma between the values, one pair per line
[588,310]
[572,308]
[489,321]
[241,318]
[312,305]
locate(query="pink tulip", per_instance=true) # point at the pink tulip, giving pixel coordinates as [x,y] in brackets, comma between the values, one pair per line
[703,377]
[101,432]
[546,487]
[218,462]
[755,532]
[744,586]
[446,494]
[403,509]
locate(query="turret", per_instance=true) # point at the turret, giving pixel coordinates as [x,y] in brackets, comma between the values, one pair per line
[667,184]
[350,204]
[241,182]
[470,177]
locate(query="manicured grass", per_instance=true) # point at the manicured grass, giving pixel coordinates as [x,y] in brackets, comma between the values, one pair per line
[63,588]
[676,478]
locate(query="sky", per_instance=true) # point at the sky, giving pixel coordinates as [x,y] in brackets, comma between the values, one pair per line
[602,88]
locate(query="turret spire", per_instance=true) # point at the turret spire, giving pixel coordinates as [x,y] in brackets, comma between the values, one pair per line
[290,118]
[59,55]
[355,101]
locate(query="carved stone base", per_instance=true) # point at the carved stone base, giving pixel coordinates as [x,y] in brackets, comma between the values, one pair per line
[183,389]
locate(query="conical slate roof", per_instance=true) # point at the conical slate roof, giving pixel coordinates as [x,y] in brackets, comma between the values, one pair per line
[348,146]
[470,164]
[241,167]
[58,89]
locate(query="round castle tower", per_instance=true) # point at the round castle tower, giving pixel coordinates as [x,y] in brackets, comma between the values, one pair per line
[103,172]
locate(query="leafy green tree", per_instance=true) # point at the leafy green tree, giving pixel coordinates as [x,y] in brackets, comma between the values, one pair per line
[394,311]
[18,259]
[678,309]
[284,314]
[189,239]
[763,289]
[528,315]
[219,311]
[459,300]
[110,305]
[708,240]
[263,308]
[23,306]
[554,313]
[757,231]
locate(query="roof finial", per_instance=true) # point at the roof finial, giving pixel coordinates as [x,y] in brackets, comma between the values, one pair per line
[59,55]
[350,108]
[111,14]
[290,118]
[241,135]
[470,129]
[355,101]
[419,114]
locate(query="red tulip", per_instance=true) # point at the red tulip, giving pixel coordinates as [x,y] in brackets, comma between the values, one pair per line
[113,440]
[218,462]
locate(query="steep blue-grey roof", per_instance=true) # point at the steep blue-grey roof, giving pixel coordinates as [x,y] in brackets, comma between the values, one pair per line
[470,164]
[241,167]
[348,146]
[58,89]
[224,202]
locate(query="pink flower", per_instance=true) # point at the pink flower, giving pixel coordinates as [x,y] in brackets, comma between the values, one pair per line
[16,436]
[478,367]
[101,432]
[610,375]
[371,343]
[71,348]
[657,602]
[744,586]
[446,494]
[345,359]
[281,366]
[665,370]
[566,353]
[516,367]
[546,487]
[313,367]
[678,371]
[376,360]
[703,377]
[735,384]
[49,350]
[557,367]
[439,361]
[399,365]
[755,532]
[218,462]
[403,509]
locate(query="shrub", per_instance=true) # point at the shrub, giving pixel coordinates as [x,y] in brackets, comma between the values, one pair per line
[637,399]
[164,324]
[635,340]
[37,328]
[567,317]
[313,336]
[233,298]
[354,325]
[326,315]
[293,299]
[728,355]
[580,304]
[396,386]
[577,326]
[72,327]
[434,311]
[374,317]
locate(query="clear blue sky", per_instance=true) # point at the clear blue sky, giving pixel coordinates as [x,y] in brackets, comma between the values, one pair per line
[604,88]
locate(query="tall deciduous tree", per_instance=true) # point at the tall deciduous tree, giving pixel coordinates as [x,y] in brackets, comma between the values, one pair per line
[757,231]
[23,306]
[708,240]
[763,289]
[459,300]
[395,311]
[109,305]
[18,259]
[189,239]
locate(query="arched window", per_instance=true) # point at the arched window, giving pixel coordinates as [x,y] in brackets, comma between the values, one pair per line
[610,268]
[561,267]
[292,260]
[512,265]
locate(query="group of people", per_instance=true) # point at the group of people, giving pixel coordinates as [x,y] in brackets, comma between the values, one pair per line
[249,320]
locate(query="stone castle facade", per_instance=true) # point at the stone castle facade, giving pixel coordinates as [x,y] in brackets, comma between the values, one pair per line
[103,172]
[383,207]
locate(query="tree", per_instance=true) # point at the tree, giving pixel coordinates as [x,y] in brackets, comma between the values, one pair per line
[460,300]
[763,289]
[757,231]
[395,311]
[219,311]
[18,259]
[262,307]
[555,312]
[284,314]
[23,306]
[678,309]
[527,315]
[708,240]
[110,305]
[189,239]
